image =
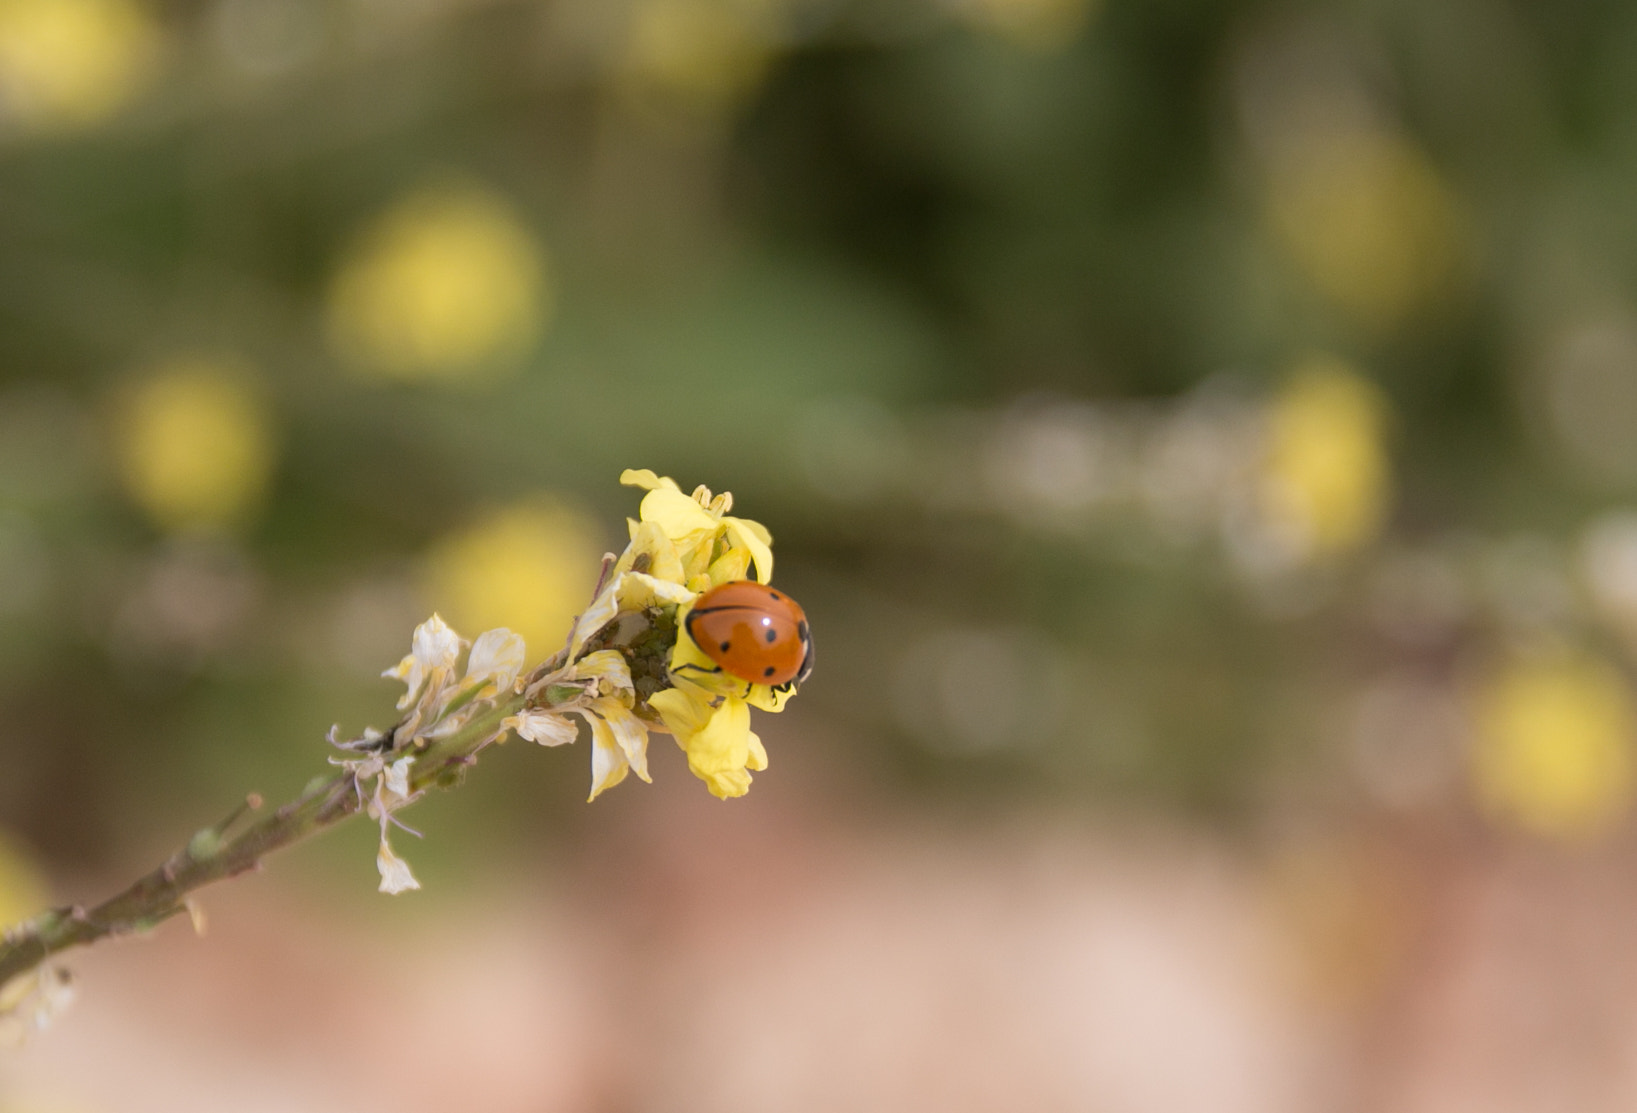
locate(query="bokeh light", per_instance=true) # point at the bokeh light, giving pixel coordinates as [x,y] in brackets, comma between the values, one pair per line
[1369,223]
[1328,485]
[1553,752]
[196,445]
[447,284]
[22,890]
[67,64]
[530,568]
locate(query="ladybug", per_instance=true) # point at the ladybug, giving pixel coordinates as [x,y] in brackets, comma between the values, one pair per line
[753,632]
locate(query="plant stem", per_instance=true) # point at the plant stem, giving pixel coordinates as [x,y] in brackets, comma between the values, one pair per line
[211,855]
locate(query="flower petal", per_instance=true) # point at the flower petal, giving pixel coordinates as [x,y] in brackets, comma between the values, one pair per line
[769,699]
[683,520]
[646,479]
[433,645]
[544,727]
[630,733]
[629,591]
[608,761]
[716,739]
[496,659]
[395,875]
[606,666]
[649,540]
[730,566]
[752,536]
[395,781]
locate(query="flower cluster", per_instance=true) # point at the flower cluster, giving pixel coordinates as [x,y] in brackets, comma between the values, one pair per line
[630,666]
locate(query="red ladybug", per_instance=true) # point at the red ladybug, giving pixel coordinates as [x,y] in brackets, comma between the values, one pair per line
[753,632]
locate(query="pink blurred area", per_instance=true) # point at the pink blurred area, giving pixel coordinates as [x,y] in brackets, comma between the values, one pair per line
[797,951]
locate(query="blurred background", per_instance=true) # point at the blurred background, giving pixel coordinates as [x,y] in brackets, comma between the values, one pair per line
[1203,434]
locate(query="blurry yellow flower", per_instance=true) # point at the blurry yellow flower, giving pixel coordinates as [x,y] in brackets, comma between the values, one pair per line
[22,891]
[526,568]
[1034,24]
[1553,749]
[1326,479]
[195,445]
[447,283]
[72,63]
[1367,220]
[706,54]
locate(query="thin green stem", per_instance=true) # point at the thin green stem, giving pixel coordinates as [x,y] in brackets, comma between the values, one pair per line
[214,855]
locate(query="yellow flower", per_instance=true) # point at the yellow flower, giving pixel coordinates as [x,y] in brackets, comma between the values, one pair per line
[195,445]
[22,891]
[720,745]
[1369,221]
[680,546]
[444,283]
[712,547]
[68,64]
[1553,751]
[1326,478]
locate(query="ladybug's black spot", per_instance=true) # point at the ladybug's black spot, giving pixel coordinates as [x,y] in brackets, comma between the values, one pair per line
[774,595]
[772,636]
[769,671]
[726,646]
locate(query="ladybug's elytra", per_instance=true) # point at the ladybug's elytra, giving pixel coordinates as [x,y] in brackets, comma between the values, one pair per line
[753,632]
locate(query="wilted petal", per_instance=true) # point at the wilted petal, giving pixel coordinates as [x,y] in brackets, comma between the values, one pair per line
[603,610]
[607,666]
[629,591]
[433,645]
[395,781]
[395,875]
[608,761]
[496,658]
[630,734]
[543,727]
[30,1002]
